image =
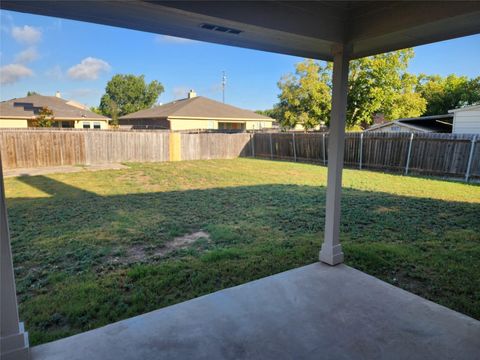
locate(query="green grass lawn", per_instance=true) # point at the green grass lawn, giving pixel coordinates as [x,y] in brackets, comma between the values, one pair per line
[90,248]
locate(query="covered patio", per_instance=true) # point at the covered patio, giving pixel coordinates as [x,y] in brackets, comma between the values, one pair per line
[324,310]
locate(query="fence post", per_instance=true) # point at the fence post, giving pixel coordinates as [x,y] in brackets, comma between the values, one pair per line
[470,158]
[323,143]
[294,149]
[252,137]
[271,147]
[361,152]
[408,154]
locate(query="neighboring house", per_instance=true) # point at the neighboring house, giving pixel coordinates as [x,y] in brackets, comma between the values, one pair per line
[22,112]
[466,120]
[195,112]
[300,127]
[423,124]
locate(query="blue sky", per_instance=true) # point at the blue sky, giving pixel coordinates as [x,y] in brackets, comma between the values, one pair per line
[47,54]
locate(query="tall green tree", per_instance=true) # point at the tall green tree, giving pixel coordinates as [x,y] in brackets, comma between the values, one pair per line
[305,96]
[128,93]
[447,93]
[378,84]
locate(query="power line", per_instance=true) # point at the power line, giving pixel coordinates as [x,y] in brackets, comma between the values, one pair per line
[224,83]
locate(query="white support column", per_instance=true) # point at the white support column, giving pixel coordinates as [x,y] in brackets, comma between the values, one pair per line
[331,252]
[14,340]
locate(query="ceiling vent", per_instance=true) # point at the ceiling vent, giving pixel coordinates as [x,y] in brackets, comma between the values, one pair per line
[220,29]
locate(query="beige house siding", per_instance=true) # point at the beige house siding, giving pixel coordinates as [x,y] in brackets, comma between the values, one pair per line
[206,124]
[257,125]
[13,123]
[299,127]
[189,124]
[79,124]
[159,123]
[178,124]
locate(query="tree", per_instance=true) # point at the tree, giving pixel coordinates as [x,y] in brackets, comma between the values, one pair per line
[376,84]
[380,84]
[447,93]
[305,96]
[125,94]
[44,118]
[30,93]
[96,110]
[273,113]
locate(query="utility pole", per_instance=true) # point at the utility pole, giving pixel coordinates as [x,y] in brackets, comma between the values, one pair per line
[224,83]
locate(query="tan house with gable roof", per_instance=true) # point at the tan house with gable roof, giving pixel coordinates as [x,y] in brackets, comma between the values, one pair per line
[22,112]
[195,112]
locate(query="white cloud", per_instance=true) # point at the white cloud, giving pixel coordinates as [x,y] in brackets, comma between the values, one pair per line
[88,69]
[55,72]
[161,39]
[26,34]
[28,55]
[12,73]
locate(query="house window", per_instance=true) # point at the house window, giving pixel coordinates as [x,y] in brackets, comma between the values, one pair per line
[231,126]
[96,125]
[86,125]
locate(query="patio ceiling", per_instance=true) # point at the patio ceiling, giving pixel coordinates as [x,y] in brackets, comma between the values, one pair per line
[301,28]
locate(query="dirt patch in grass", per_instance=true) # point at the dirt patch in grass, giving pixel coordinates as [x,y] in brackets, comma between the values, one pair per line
[182,242]
[140,253]
[384,209]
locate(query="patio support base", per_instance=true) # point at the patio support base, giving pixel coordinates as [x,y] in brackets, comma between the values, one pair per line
[331,252]
[16,346]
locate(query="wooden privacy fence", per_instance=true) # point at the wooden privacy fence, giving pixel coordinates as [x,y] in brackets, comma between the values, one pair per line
[205,146]
[431,154]
[36,148]
[27,148]
[449,155]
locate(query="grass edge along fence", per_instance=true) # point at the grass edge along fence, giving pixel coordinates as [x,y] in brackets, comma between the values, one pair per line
[444,155]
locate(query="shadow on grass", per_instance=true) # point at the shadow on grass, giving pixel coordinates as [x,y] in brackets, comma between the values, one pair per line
[69,248]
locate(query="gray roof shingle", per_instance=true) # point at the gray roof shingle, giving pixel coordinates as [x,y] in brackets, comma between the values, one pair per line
[198,106]
[30,106]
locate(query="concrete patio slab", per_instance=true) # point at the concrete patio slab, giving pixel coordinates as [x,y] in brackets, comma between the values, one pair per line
[313,312]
